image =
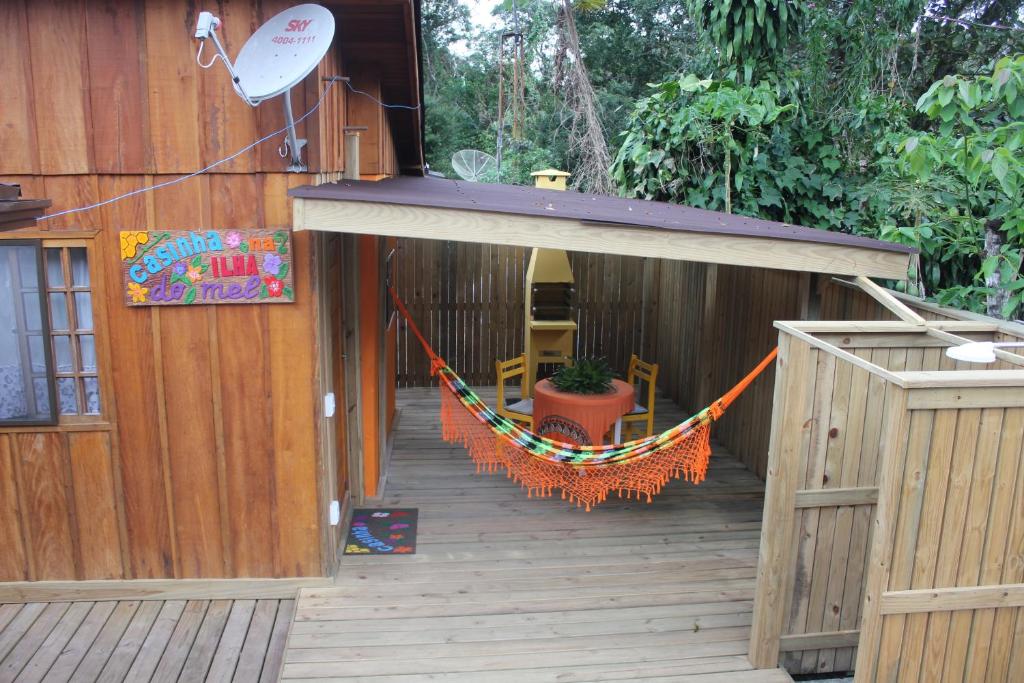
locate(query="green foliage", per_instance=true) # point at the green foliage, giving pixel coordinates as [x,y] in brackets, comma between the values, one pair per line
[975,151]
[585,376]
[749,34]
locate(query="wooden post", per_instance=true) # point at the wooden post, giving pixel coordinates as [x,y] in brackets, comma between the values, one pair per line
[791,423]
[351,171]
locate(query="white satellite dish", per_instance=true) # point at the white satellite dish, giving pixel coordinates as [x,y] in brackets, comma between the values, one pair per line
[474,165]
[276,58]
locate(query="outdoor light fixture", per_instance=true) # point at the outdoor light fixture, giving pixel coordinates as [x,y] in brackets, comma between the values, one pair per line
[978,352]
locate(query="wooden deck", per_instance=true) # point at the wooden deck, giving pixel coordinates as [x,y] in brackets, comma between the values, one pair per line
[172,640]
[504,588]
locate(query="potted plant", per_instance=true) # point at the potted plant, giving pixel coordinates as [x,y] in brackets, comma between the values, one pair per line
[584,376]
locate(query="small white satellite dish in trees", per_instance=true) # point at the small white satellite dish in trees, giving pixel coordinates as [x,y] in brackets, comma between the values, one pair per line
[276,58]
[474,165]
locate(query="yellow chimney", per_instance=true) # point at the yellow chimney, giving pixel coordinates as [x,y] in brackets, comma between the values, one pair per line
[550,179]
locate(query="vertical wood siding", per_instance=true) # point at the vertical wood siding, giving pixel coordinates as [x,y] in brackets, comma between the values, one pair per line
[205,461]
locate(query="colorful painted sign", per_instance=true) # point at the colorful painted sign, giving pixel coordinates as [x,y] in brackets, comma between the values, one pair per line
[185,267]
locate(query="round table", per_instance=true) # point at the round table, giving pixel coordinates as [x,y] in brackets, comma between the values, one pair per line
[581,419]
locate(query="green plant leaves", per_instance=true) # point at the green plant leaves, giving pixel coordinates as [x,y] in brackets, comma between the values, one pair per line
[585,376]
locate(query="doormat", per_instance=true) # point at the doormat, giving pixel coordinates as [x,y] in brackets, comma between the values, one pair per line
[382,532]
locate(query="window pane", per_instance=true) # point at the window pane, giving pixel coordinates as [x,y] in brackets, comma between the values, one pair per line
[58,311]
[37,354]
[54,268]
[83,310]
[28,267]
[66,396]
[87,347]
[41,387]
[22,354]
[62,352]
[79,267]
[33,316]
[92,395]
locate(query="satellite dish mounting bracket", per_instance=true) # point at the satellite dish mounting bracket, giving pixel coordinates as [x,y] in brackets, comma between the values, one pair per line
[276,58]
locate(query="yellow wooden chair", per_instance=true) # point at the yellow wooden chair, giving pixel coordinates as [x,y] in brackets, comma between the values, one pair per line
[518,409]
[641,372]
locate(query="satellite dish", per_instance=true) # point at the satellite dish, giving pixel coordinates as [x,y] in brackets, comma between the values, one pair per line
[283,51]
[474,165]
[276,58]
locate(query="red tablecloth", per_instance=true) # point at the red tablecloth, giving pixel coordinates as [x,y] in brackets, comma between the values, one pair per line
[577,418]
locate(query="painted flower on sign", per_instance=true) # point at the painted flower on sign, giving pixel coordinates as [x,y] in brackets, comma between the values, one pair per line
[137,292]
[274,286]
[194,273]
[130,242]
[271,263]
[233,239]
[179,268]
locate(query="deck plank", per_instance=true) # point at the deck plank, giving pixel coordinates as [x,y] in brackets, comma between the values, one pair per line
[34,637]
[128,647]
[76,648]
[231,641]
[180,642]
[152,648]
[109,636]
[505,588]
[250,659]
[50,649]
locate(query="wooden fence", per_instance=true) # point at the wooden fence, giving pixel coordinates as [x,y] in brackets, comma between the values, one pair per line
[929,584]
[468,300]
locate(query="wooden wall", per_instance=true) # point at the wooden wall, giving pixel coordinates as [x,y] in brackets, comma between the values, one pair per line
[468,301]
[204,461]
[837,426]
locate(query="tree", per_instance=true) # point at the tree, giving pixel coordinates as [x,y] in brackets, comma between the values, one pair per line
[980,132]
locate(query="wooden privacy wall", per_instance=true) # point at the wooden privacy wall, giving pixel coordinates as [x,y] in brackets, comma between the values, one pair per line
[713,325]
[839,422]
[468,301]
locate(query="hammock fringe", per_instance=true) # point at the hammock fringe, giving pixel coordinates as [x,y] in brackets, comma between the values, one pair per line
[585,485]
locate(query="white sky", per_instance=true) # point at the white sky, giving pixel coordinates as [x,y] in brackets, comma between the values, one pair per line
[480,14]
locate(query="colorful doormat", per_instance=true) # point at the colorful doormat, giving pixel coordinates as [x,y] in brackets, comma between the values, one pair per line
[382,532]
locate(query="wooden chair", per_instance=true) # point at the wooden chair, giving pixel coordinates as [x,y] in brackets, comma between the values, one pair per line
[640,372]
[518,409]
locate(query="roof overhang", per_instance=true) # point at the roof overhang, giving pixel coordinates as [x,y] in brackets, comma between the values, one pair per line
[19,213]
[536,218]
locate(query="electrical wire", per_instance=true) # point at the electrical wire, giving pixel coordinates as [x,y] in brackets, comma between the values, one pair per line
[386,106]
[175,181]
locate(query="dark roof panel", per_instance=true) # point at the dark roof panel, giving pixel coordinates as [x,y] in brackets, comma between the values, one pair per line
[589,208]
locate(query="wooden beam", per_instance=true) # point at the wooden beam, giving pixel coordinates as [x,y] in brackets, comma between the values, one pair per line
[882,296]
[819,641]
[937,398]
[157,589]
[814,498]
[952,599]
[921,379]
[794,329]
[460,225]
[956,340]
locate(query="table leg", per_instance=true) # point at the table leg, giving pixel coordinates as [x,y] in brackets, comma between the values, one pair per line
[618,431]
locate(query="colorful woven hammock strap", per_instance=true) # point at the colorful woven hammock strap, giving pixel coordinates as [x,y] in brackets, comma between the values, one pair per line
[436,362]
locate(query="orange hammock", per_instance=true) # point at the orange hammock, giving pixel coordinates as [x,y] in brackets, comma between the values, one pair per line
[584,474]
